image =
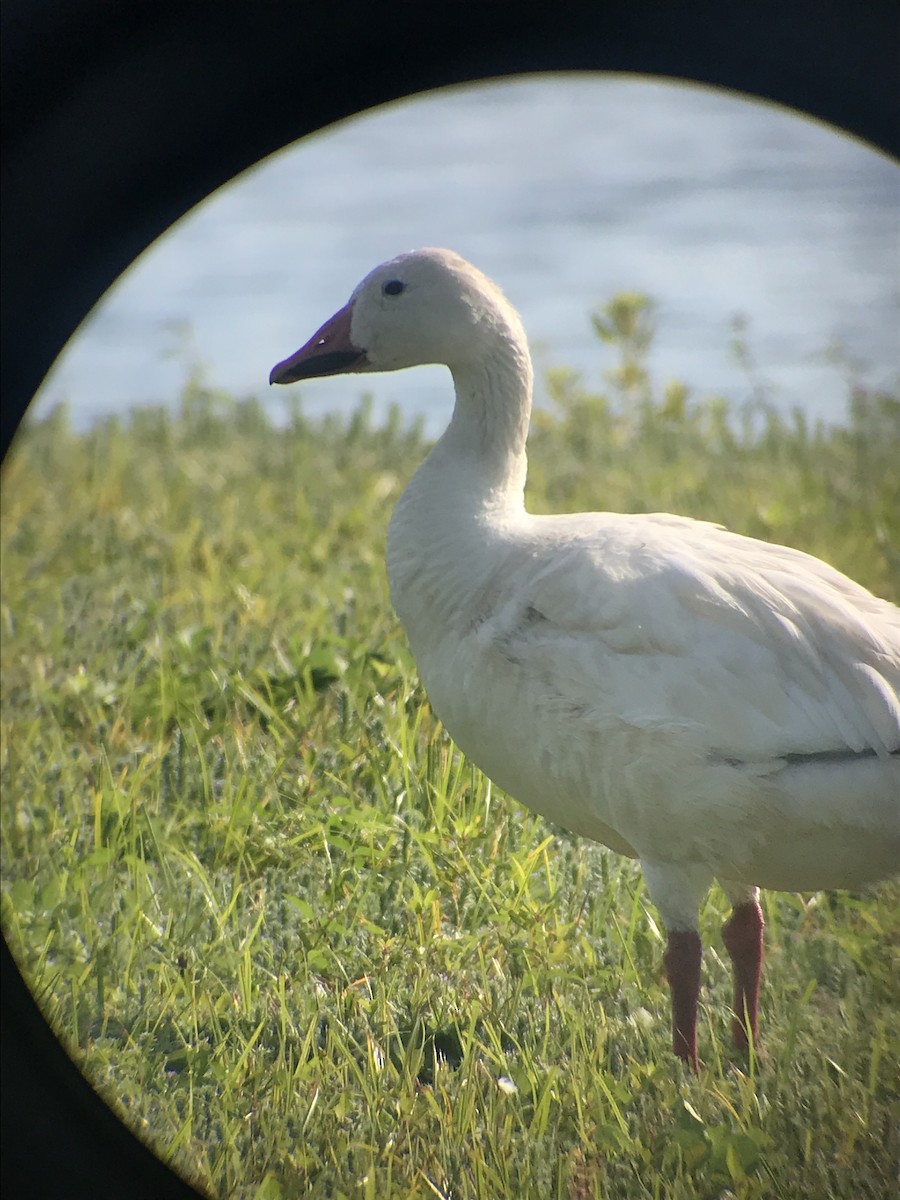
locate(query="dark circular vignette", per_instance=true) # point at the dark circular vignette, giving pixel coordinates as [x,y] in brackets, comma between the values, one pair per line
[118,118]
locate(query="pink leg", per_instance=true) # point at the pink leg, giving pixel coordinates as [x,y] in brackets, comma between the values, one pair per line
[682,962]
[743,937]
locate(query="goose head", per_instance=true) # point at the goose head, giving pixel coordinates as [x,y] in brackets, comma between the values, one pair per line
[426,306]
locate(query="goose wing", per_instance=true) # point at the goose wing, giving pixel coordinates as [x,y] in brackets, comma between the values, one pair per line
[756,651]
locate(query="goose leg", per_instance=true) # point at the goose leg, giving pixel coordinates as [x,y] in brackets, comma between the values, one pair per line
[743,937]
[682,959]
[677,891]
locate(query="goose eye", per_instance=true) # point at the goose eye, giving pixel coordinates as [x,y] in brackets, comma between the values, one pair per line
[393,287]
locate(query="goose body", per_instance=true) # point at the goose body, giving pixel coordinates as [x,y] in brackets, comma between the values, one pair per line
[713,705]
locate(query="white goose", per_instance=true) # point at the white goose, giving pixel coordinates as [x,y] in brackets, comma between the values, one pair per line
[710,704]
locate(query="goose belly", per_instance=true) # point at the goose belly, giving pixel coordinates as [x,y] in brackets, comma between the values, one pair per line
[519,738]
[833,825]
[658,792]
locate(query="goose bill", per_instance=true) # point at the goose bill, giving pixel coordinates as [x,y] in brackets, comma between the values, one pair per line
[328,352]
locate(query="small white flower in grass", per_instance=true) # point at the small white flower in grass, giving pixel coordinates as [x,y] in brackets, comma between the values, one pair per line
[377,1054]
[506,1085]
[642,1018]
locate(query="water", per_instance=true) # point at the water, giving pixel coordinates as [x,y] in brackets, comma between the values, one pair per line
[564,189]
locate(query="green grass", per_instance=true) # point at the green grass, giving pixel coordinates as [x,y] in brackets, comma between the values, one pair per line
[298,941]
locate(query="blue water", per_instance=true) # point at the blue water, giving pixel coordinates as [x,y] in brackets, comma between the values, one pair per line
[564,189]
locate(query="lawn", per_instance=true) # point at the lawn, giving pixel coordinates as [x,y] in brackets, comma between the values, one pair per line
[300,943]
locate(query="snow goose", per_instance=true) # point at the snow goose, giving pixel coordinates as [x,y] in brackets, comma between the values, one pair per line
[712,705]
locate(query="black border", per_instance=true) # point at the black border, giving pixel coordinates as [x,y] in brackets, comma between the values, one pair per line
[118,117]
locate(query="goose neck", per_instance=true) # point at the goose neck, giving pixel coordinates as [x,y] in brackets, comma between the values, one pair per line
[489,426]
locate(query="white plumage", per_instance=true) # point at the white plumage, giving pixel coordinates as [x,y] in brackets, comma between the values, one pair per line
[713,705]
